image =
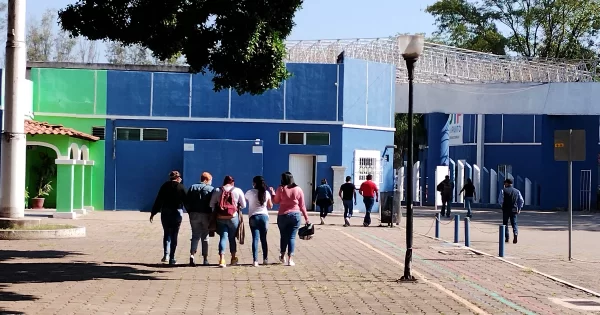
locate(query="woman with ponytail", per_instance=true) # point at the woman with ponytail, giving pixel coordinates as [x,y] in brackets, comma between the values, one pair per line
[259,201]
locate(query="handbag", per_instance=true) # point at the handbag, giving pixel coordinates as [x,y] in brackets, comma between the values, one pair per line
[306,232]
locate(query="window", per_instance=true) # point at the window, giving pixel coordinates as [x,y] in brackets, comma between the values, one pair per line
[367,162]
[304,138]
[142,134]
[505,169]
[99,132]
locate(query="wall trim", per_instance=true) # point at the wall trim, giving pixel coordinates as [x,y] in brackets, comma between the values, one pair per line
[47,145]
[500,143]
[204,119]
[368,127]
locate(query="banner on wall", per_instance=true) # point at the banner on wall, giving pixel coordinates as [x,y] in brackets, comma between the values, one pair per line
[455,129]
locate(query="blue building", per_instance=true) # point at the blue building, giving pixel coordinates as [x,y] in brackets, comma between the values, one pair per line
[326,121]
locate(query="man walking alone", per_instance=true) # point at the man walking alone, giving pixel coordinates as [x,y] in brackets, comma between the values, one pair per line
[512,202]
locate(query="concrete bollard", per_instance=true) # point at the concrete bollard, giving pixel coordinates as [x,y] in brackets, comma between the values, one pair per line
[456,227]
[502,235]
[467,232]
[437,225]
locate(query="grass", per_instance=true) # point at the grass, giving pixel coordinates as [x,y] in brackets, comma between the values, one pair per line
[41,227]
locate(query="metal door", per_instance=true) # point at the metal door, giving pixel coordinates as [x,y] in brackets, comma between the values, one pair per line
[303,169]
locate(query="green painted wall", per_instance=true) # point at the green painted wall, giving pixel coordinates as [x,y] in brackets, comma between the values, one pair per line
[71,91]
[75,91]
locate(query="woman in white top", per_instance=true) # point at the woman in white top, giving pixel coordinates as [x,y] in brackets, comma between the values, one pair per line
[259,201]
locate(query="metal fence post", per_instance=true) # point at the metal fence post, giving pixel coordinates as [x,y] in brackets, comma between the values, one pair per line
[502,235]
[437,225]
[456,227]
[467,232]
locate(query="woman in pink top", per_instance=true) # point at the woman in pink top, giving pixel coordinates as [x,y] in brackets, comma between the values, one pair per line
[290,198]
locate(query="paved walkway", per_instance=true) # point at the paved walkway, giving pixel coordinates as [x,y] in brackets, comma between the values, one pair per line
[543,241]
[353,270]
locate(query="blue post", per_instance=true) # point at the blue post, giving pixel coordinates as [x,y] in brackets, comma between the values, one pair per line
[437,225]
[467,232]
[501,241]
[456,227]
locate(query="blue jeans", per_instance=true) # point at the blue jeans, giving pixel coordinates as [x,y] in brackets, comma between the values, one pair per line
[512,216]
[369,202]
[348,207]
[446,206]
[288,228]
[227,230]
[199,223]
[171,222]
[259,225]
[468,203]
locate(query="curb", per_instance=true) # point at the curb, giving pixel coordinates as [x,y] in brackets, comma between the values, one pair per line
[553,278]
[42,234]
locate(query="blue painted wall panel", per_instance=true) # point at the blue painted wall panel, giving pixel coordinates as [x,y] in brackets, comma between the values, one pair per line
[340,92]
[380,79]
[518,129]
[469,128]
[128,93]
[539,123]
[268,105]
[355,92]
[493,128]
[360,139]
[205,101]
[311,92]
[139,157]
[171,94]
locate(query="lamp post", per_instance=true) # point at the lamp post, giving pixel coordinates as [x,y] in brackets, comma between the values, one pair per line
[411,47]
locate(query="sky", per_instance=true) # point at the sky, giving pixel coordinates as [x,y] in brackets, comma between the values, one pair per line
[330,19]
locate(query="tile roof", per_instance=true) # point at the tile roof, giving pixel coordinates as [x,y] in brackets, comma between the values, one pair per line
[33,127]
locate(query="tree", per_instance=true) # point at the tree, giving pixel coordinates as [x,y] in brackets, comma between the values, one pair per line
[40,37]
[87,51]
[401,136]
[117,53]
[240,41]
[534,28]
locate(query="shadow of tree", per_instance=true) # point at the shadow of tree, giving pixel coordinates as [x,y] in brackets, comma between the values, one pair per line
[49,272]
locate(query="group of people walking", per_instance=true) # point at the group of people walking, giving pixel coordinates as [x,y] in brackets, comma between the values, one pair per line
[217,210]
[510,199]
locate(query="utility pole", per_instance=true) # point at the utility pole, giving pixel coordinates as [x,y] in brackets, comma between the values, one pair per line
[12,161]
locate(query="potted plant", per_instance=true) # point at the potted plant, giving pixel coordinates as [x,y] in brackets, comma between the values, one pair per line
[26,197]
[45,171]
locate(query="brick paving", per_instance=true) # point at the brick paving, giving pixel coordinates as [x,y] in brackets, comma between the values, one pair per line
[543,241]
[115,270]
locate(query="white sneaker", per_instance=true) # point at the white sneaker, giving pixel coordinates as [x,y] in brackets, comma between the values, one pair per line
[322,221]
[291,263]
[256,264]
[265,262]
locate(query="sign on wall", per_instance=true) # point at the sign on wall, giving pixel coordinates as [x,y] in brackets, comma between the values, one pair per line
[455,129]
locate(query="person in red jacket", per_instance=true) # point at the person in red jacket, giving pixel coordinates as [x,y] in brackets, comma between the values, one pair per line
[368,189]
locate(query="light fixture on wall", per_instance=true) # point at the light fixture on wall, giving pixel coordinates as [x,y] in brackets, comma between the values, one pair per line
[257,142]
[411,48]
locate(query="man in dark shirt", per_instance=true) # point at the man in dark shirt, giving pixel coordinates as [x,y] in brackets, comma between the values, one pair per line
[469,190]
[512,202]
[348,194]
[169,202]
[446,187]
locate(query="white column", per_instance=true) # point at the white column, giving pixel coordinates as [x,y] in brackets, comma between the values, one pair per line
[480,140]
[339,177]
[477,182]
[460,178]
[13,139]
[415,183]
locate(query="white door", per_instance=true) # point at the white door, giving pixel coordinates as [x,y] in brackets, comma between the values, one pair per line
[302,167]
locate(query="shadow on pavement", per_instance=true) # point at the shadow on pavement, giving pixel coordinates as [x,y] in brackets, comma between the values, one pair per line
[37,254]
[7,296]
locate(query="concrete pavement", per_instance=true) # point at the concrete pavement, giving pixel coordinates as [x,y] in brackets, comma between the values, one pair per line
[115,270]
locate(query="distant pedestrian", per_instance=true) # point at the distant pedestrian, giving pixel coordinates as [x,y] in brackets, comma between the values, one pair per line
[348,195]
[323,199]
[512,202]
[226,202]
[470,194]
[290,198]
[259,203]
[169,202]
[446,187]
[198,207]
[368,189]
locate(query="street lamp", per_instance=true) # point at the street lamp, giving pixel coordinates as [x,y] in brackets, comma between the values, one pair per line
[410,47]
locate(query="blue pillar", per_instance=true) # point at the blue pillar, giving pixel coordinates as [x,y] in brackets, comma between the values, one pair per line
[438,152]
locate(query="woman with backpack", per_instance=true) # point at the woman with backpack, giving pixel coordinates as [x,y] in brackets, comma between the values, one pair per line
[259,201]
[169,202]
[290,198]
[226,203]
[200,212]
[323,199]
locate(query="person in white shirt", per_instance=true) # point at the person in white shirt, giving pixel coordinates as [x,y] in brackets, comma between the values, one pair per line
[259,203]
[226,201]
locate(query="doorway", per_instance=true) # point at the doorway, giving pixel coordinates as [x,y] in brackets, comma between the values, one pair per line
[304,171]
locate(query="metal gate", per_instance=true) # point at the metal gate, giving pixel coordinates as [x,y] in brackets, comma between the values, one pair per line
[585,190]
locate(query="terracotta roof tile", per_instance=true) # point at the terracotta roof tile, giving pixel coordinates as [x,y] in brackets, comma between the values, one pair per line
[33,127]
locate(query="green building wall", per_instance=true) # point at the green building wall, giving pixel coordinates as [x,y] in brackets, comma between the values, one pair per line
[71,92]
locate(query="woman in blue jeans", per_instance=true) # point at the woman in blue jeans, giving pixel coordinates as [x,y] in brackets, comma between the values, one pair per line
[169,202]
[259,201]
[290,198]
[227,222]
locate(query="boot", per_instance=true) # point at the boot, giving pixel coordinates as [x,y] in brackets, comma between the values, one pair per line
[515,240]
